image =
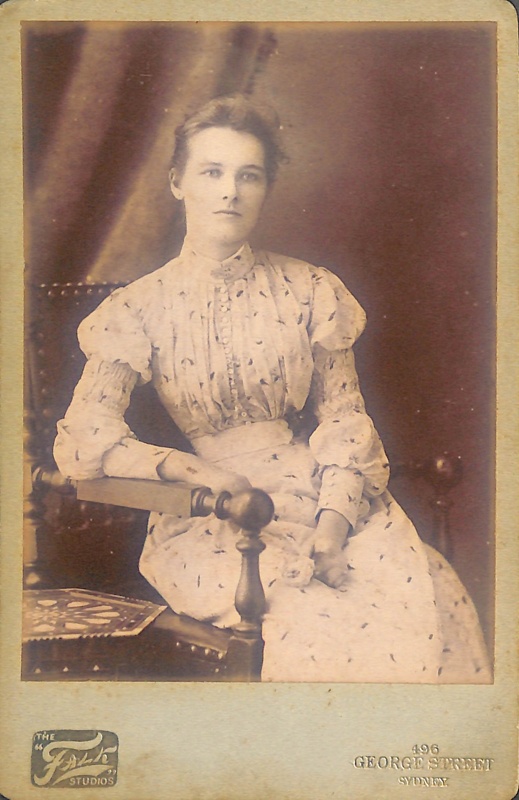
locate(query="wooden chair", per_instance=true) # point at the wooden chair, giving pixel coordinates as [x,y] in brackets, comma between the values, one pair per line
[93,539]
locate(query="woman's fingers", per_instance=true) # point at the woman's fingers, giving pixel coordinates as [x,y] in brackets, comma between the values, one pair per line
[229,482]
[335,577]
[328,571]
[193,469]
[223,480]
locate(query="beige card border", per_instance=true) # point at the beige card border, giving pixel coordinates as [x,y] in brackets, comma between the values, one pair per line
[267,740]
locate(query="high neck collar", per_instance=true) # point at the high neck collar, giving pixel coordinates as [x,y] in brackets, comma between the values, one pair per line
[230,269]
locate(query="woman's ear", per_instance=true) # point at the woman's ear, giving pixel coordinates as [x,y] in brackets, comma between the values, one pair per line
[174,183]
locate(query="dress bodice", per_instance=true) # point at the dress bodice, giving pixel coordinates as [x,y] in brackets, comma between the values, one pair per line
[225,343]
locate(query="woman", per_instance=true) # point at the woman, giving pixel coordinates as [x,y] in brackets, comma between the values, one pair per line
[236,343]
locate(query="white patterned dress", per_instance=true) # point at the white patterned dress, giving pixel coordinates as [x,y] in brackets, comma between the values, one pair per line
[233,350]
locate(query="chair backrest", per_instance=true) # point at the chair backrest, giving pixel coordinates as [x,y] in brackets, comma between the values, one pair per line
[53,360]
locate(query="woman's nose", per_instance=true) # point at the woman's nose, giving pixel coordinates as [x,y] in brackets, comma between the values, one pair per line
[230,188]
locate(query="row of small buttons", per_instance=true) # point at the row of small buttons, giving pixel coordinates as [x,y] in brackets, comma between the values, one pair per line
[225,307]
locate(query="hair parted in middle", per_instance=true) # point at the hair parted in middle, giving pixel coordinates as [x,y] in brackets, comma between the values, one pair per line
[238,113]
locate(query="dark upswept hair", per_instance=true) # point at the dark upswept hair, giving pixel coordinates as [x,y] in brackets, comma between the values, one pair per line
[238,113]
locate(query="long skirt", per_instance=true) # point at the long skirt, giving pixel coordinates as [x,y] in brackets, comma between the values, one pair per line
[402,615]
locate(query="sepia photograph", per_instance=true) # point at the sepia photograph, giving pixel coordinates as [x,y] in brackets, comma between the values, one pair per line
[221,216]
[259,435]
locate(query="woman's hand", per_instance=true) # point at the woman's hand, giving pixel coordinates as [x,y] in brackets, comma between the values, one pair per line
[330,537]
[223,480]
[192,469]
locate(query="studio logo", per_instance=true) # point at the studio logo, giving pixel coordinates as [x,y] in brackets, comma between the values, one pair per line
[74,759]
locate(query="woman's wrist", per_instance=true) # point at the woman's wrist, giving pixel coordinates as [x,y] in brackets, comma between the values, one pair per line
[331,533]
[180,466]
[161,468]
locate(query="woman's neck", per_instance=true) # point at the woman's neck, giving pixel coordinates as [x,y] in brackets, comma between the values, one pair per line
[219,251]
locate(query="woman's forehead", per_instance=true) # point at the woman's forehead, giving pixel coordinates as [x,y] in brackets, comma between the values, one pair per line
[226,146]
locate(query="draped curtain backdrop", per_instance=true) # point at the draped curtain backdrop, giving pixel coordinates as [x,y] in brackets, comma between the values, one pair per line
[390,129]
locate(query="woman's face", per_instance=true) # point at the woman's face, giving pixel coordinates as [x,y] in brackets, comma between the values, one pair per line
[223,187]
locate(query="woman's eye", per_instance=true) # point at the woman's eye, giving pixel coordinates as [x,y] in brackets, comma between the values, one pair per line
[213,172]
[250,177]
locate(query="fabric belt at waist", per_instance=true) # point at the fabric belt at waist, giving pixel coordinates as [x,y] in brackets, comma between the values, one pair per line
[247,438]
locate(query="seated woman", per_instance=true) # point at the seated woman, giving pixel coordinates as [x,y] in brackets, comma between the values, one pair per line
[236,342]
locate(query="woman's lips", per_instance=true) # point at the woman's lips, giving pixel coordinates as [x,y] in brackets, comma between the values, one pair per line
[228,213]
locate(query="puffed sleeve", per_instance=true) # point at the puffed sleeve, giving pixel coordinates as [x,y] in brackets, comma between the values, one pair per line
[337,318]
[93,438]
[115,333]
[345,442]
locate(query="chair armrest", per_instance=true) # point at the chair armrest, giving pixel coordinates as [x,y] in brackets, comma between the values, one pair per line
[148,495]
[443,473]
[251,510]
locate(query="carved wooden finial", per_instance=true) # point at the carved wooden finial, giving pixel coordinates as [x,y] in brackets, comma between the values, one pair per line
[251,509]
[444,472]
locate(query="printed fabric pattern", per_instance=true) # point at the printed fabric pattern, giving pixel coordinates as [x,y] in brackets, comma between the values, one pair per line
[234,349]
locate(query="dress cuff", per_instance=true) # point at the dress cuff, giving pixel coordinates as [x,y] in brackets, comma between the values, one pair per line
[131,458]
[341,490]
